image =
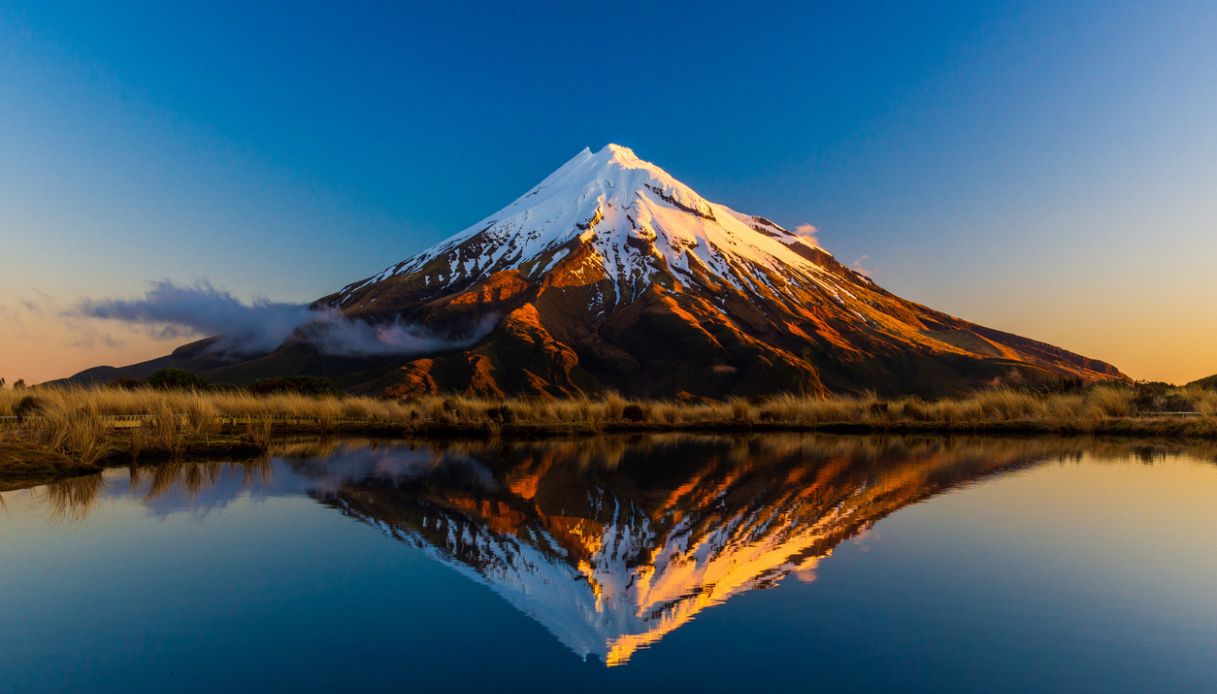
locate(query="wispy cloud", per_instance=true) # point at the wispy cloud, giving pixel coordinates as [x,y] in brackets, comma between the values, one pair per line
[21,314]
[169,310]
[89,337]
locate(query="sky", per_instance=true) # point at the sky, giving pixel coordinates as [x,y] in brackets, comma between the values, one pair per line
[1049,169]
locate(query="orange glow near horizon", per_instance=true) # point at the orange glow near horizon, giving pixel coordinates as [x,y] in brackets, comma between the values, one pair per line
[44,349]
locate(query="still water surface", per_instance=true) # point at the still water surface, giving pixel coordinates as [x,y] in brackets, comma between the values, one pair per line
[668,563]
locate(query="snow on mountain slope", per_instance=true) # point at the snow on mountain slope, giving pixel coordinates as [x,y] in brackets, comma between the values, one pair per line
[639,220]
[611,274]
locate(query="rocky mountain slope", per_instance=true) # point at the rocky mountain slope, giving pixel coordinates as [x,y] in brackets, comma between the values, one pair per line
[611,274]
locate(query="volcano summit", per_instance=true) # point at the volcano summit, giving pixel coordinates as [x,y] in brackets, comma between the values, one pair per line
[611,274]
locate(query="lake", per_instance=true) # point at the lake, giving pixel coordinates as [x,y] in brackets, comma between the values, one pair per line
[646,563]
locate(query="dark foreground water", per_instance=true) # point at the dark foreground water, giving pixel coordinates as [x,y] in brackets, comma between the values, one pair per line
[664,564]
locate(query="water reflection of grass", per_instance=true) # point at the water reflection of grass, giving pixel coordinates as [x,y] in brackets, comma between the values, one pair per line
[74,430]
[899,458]
[72,499]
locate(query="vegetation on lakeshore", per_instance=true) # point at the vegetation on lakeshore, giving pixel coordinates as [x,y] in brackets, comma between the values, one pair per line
[75,429]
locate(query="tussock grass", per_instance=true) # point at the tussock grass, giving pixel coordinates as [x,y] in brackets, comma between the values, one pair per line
[69,418]
[77,423]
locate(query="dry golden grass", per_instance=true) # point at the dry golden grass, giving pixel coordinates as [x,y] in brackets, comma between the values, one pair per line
[78,422]
[172,413]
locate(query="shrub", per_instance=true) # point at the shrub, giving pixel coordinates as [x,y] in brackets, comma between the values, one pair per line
[176,379]
[301,385]
[1153,396]
[1177,403]
[633,413]
[27,407]
[502,413]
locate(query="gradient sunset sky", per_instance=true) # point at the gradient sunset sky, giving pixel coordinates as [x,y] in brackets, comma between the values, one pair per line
[1049,169]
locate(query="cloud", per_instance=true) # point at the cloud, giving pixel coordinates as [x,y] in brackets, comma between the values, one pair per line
[32,307]
[169,310]
[21,308]
[334,334]
[810,233]
[88,337]
[21,316]
[857,267]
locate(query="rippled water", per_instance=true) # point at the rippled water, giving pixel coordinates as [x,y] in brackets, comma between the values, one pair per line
[667,563]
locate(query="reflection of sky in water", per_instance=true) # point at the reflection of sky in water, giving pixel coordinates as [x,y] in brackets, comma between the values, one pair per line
[1048,565]
[198,488]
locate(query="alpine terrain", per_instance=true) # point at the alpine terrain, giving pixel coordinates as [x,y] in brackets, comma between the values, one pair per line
[611,274]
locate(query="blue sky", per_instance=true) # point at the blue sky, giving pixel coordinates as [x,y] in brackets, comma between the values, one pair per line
[1045,168]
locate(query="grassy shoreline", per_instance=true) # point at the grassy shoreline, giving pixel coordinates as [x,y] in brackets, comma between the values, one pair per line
[76,430]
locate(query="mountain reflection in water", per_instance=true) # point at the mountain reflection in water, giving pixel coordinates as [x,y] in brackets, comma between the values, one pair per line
[609,543]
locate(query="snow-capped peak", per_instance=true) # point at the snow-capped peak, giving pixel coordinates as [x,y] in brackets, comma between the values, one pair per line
[613,175]
[618,152]
[639,222]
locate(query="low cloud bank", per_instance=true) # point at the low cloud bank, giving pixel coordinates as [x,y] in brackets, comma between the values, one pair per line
[172,311]
[181,311]
[334,334]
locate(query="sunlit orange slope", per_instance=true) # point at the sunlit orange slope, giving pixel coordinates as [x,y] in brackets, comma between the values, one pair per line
[611,274]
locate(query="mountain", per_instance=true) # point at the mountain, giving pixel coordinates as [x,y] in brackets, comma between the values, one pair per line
[611,274]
